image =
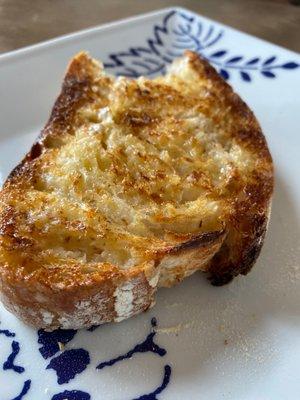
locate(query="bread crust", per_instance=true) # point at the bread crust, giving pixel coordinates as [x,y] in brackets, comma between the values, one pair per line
[249,222]
[68,298]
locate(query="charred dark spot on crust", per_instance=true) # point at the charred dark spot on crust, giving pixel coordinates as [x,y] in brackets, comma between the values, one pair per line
[250,258]
[156,197]
[220,280]
[36,151]
[15,172]
[223,269]
[22,167]
[232,270]
[205,239]
[21,243]
[252,253]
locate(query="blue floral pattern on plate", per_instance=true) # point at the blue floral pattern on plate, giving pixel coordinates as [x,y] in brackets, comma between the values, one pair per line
[10,365]
[68,363]
[181,31]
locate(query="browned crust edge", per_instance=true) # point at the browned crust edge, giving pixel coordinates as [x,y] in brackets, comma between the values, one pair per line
[251,216]
[73,92]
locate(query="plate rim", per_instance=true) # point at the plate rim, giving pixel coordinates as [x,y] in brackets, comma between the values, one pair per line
[26,50]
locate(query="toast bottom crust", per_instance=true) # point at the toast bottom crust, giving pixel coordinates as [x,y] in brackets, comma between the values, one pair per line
[121,296]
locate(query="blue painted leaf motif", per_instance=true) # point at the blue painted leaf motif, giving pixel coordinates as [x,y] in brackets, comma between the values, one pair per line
[190,33]
[69,363]
[9,363]
[224,74]
[253,61]
[268,74]
[149,57]
[136,62]
[269,60]
[7,333]
[50,340]
[234,60]
[71,395]
[146,346]
[219,54]
[245,76]
[72,362]
[24,390]
[178,32]
[290,65]
[165,382]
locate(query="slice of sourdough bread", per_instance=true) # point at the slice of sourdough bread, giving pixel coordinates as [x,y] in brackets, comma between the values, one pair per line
[132,185]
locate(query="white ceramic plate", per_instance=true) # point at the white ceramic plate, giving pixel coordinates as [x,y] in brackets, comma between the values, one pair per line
[240,341]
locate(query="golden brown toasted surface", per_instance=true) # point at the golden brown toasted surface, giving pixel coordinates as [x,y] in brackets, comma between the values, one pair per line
[128,171]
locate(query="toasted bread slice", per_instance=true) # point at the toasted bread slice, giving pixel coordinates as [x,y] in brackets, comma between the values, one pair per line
[132,185]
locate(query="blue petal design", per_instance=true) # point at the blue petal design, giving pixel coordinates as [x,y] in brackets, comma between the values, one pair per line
[180,31]
[268,74]
[184,29]
[7,333]
[234,60]
[69,363]
[209,33]
[9,363]
[49,340]
[188,18]
[218,54]
[24,390]
[224,74]
[212,42]
[269,60]
[253,61]
[71,395]
[290,65]
[186,33]
[245,76]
